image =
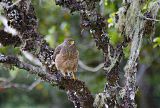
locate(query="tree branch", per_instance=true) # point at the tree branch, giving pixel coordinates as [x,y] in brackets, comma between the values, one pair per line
[6,83]
[91,69]
[22,18]
[15,61]
[9,39]
[134,27]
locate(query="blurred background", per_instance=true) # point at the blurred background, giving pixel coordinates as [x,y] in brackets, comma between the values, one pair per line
[56,24]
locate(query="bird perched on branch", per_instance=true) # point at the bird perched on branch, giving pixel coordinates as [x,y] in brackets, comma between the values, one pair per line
[66,57]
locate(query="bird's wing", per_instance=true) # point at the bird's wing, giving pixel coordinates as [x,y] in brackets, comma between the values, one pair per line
[57,51]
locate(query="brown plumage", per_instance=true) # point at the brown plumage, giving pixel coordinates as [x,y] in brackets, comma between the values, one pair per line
[66,57]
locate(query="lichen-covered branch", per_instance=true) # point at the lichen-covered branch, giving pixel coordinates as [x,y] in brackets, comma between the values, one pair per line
[75,88]
[130,23]
[12,60]
[7,39]
[21,16]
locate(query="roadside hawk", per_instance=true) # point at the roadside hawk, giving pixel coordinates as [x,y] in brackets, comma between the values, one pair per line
[66,57]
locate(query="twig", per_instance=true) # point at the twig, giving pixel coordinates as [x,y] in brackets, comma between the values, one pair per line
[151,19]
[91,69]
[7,83]
[31,58]
[34,84]
[13,85]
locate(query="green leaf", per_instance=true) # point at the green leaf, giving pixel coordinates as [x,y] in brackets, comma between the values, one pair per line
[110,20]
[156,42]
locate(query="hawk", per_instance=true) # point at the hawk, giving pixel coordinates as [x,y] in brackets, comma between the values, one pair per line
[66,57]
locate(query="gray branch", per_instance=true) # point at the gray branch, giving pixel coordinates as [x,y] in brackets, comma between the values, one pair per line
[7,83]
[16,62]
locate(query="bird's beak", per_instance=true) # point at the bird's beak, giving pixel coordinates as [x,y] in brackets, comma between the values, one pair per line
[71,42]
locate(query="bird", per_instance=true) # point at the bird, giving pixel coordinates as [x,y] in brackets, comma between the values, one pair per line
[66,57]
